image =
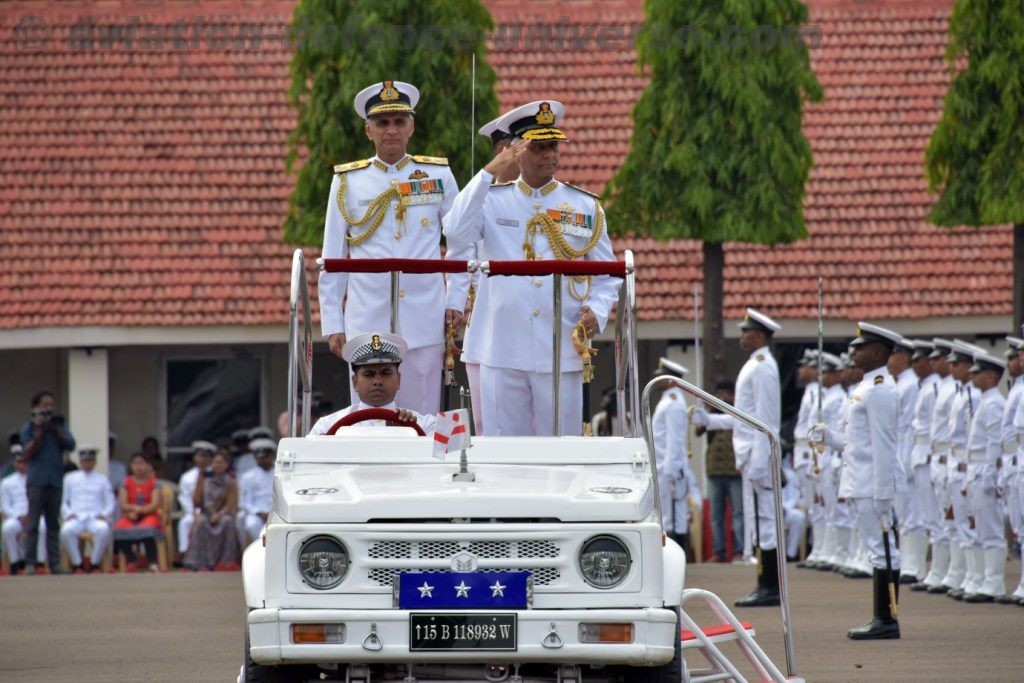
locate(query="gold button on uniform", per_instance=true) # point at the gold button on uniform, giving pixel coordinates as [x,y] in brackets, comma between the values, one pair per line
[425,222]
[536,283]
[401,294]
[536,312]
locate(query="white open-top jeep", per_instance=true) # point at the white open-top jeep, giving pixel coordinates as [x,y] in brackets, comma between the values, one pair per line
[545,559]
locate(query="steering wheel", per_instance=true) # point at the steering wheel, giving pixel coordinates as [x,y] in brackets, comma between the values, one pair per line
[374,414]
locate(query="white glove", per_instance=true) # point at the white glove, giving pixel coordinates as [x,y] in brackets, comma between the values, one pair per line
[883,508]
[699,417]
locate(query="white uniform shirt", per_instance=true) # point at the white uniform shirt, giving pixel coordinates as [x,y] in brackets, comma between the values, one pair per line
[833,410]
[921,425]
[758,394]
[87,495]
[256,491]
[940,418]
[906,393]
[1011,443]
[984,444]
[14,495]
[965,405]
[512,316]
[870,460]
[670,425]
[187,489]
[426,422]
[421,297]
[243,464]
[806,417]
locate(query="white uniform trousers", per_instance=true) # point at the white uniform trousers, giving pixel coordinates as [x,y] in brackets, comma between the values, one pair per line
[988,519]
[71,529]
[765,503]
[928,505]
[961,510]
[475,399]
[907,512]
[185,530]
[869,529]
[796,521]
[518,402]
[14,545]
[748,516]
[809,493]
[420,390]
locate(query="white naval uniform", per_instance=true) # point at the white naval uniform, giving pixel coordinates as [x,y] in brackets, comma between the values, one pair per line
[939,462]
[1015,481]
[676,480]
[87,497]
[870,461]
[186,491]
[984,447]
[803,458]
[365,296]
[426,422]
[243,464]
[926,503]
[834,548]
[906,394]
[255,496]
[794,512]
[14,504]
[758,394]
[511,335]
[965,404]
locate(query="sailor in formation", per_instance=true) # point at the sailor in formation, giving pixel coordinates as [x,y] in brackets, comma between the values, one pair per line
[256,491]
[677,483]
[375,358]
[87,506]
[804,460]
[870,470]
[910,523]
[759,394]
[390,206]
[1011,465]
[536,217]
[915,543]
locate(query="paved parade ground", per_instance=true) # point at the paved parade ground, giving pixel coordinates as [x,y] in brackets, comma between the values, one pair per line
[188,627]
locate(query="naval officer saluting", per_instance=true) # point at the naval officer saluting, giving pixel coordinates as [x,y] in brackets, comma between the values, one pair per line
[390,206]
[535,217]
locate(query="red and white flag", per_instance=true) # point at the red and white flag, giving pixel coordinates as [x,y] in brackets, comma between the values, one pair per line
[451,432]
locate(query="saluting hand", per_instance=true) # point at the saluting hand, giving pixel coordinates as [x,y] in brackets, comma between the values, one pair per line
[506,163]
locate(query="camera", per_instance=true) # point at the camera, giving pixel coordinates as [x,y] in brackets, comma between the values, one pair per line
[42,416]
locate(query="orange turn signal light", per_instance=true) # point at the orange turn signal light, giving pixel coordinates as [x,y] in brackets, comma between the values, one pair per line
[606,633]
[318,633]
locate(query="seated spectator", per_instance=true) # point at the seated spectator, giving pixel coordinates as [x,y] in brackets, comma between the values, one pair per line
[202,453]
[14,509]
[140,499]
[256,491]
[87,506]
[214,544]
[151,449]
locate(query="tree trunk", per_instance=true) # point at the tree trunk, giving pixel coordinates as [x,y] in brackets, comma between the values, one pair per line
[1018,278]
[713,340]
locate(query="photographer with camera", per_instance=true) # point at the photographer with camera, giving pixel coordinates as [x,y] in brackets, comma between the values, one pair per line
[46,439]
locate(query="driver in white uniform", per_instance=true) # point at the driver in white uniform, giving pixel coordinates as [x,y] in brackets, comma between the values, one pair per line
[374,358]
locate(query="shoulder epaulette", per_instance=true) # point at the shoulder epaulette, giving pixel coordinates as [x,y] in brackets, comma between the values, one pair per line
[420,159]
[879,379]
[352,166]
[580,189]
[760,356]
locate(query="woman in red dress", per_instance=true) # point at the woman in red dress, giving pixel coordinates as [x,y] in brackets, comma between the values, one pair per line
[140,499]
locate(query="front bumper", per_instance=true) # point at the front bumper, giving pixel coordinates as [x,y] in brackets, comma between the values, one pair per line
[655,633]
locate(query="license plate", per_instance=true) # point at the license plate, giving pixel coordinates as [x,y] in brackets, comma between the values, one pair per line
[477,631]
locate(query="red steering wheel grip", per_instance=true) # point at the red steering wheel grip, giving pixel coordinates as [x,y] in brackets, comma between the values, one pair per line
[391,416]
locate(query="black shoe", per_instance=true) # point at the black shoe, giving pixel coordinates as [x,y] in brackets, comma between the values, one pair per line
[876,629]
[908,579]
[824,566]
[17,567]
[852,573]
[919,586]
[978,597]
[956,593]
[759,597]
[938,590]
[1002,599]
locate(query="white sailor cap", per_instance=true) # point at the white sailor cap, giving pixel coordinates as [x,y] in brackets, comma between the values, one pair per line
[386,97]
[986,361]
[240,435]
[536,121]
[809,357]
[922,349]
[1016,346]
[201,445]
[961,351]
[754,319]
[496,130]
[671,367]
[374,347]
[260,432]
[830,362]
[17,452]
[942,347]
[866,333]
[905,345]
[87,451]
[259,445]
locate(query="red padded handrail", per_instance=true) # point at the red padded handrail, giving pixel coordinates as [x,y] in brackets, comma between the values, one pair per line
[613,268]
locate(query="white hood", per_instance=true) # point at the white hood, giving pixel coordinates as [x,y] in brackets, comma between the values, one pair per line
[393,491]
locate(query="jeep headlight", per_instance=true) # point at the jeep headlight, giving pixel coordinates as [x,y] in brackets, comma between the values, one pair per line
[604,561]
[323,562]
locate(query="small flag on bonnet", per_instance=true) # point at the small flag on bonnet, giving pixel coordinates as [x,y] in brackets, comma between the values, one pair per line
[451,432]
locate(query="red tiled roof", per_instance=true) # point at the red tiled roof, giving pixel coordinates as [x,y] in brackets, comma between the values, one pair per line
[145,186]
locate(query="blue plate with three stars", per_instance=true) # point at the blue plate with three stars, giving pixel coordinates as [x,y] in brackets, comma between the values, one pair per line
[463,590]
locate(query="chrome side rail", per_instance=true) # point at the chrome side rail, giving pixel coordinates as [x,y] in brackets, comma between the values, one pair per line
[776,465]
[627,376]
[300,345]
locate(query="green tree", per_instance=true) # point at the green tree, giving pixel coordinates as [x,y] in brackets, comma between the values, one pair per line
[342,46]
[975,159]
[718,153]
